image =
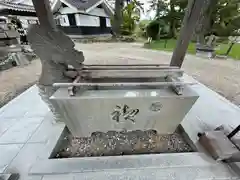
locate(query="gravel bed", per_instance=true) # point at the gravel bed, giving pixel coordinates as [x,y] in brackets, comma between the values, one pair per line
[115,143]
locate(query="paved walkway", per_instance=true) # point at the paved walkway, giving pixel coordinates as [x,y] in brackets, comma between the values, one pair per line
[220,75]
[15,80]
[27,134]
[27,137]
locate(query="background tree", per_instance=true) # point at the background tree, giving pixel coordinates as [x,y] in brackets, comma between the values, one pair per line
[141,29]
[221,18]
[159,6]
[118,17]
[127,14]
[131,15]
[225,19]
[157,29]
[203,26]
[171,12]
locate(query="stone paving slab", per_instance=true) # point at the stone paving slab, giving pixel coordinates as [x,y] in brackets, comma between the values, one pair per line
[209,112]
[21,131]
[33,178]
[77,165]
[6,124]
[7,154]
[59,177]
[29,154]
[185,173]
[17,126]
[46,130]
[180,173]
[31,105]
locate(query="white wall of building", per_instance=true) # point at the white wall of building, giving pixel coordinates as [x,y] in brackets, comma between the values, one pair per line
[95,12]
[98,12]
[108,22]
[26,20]
[68,10]
[64,20]
[90,19]
[83,20]
[77,17]
[86,20]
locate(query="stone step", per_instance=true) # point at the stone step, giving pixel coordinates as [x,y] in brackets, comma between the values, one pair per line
[178,173]
[182,165]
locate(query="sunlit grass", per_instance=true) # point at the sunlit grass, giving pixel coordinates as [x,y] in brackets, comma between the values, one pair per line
[170,44]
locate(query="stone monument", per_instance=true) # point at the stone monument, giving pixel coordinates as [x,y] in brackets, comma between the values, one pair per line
[105,97]
[109,101]
[127,97]
[56,52]
[10,49]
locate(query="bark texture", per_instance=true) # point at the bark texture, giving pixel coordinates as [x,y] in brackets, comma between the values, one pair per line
[118,17]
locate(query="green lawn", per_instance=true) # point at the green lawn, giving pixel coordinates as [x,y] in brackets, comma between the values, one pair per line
[170,44]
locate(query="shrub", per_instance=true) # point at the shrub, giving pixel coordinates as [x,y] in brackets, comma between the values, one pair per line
[153,28]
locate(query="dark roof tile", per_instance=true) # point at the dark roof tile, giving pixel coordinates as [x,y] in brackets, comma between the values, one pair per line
[82,4]
[17,7]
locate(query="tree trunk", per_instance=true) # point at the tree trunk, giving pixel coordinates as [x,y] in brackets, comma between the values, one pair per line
[158,9]
[117,22]
[190,20]
[159,32]
[172,30]
[204,26]
[200,38]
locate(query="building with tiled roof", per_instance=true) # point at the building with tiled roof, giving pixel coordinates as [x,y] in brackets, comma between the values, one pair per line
[74,17]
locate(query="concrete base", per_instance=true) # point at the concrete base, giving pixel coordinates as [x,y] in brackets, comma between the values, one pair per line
[205,54]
